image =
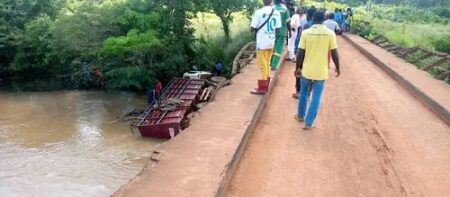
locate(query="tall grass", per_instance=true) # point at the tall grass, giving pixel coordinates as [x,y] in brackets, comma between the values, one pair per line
[411,34]
[208,25]
[210,33]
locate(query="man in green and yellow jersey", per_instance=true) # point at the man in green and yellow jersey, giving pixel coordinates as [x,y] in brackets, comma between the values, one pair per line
[281,35]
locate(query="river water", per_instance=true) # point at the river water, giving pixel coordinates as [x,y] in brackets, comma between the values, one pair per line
[68,143]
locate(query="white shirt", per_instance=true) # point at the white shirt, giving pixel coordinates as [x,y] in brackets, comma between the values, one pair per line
[265,37]
[295,21]
[331,24]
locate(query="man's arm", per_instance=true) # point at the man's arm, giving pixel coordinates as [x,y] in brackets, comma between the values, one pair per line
[335,57]
[301,54]
[300,60]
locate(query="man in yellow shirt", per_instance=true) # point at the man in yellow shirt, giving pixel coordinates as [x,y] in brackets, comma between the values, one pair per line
[312,65]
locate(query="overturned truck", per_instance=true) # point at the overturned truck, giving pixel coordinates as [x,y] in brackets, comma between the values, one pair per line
[167,117]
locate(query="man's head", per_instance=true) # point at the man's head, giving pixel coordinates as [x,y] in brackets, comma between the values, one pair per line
[278,1]
[292,11]
[318,17]
[331,16]
[310,13]
[267,2]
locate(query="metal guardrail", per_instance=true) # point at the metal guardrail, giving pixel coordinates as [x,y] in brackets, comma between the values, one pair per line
[440,59]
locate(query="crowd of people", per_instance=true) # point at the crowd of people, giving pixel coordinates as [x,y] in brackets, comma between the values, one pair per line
[310,34]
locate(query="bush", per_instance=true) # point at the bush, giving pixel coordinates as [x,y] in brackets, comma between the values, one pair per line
[217,49]
[125,47]
[406,14]
[442,11]
[129,78]
[442,44]
[363,28]
[208,51]
[211,46]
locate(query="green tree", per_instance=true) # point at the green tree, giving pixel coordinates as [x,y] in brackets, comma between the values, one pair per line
[32,59]
[159,41]
[14,15]
[224,9]
[130,59]
[66,43]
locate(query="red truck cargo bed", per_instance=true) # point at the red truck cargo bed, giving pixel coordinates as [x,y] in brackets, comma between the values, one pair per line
[166,125]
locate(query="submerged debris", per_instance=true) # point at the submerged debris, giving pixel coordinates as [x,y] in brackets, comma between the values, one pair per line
[132,115]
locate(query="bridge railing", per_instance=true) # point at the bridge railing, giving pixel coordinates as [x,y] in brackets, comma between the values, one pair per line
[434,62]
[245,55]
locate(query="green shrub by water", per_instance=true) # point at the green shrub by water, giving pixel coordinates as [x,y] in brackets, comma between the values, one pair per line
[49,45]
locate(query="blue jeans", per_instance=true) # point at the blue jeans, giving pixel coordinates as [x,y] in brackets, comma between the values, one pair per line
[317,90]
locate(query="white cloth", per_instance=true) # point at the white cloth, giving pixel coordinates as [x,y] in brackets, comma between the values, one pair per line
[332,25]
[291,45]
[295,21]
[265,38]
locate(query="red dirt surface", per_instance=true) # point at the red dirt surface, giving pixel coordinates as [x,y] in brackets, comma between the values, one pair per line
[372,138]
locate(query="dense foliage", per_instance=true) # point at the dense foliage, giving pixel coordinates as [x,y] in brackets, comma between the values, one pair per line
[416,3]
[112,44]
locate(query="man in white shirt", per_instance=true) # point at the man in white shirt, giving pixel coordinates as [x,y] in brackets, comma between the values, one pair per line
[331,24]
[295,23]
[265,23]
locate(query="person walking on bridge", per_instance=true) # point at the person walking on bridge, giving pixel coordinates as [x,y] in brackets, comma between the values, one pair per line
[266,22]
[331,24]
[295,24]
[305,24]
[280,35]
[312,66]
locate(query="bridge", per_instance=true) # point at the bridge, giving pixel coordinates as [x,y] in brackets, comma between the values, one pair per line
[383,130]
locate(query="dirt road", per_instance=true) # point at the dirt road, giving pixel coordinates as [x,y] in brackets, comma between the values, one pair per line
[372,138]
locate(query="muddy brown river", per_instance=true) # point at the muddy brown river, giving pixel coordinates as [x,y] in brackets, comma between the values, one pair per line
[68,143]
